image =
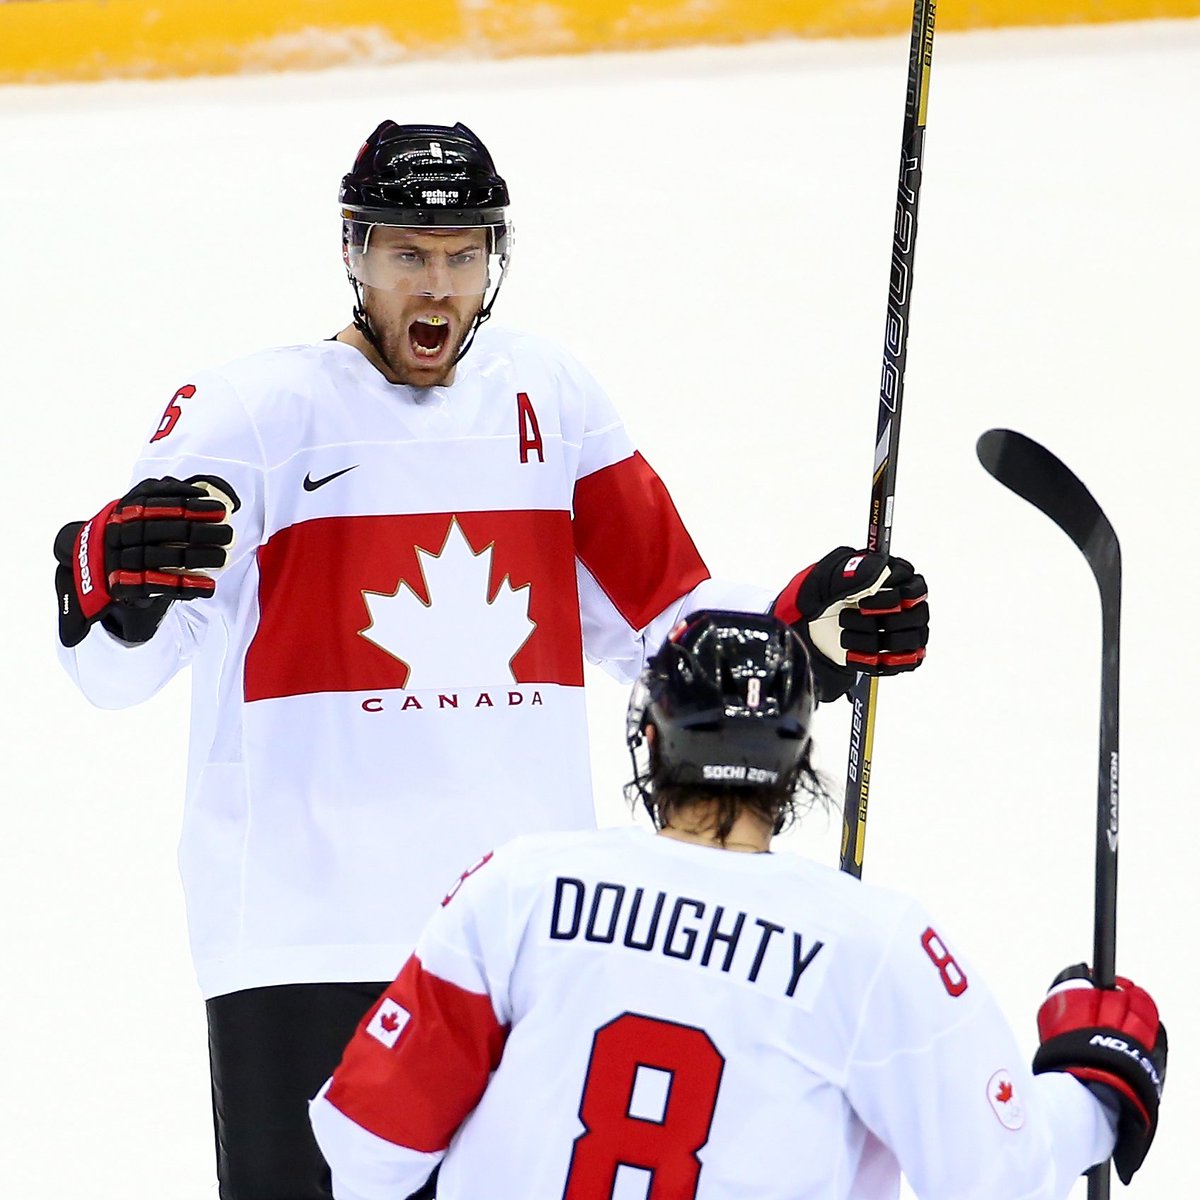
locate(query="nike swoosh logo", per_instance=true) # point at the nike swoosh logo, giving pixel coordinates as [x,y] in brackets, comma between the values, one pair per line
[311,484]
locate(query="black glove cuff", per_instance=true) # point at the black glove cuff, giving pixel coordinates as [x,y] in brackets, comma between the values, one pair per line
[1107,1051]
[72,625]
[136,621]
[64,542]
[831,681]
[1124,1060]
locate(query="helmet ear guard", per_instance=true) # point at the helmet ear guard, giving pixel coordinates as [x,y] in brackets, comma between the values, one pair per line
[730,698]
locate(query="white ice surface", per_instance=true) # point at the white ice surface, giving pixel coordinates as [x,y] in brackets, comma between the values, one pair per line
[710,231]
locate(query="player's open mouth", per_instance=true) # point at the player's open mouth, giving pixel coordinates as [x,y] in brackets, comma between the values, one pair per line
[429,336]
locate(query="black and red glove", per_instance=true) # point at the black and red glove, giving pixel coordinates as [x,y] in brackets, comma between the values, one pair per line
[857,611]
[127,564]
[1112,1041]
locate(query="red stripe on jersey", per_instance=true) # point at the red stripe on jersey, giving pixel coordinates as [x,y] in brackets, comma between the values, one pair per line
[313,612]
[417,1092]
[630,537]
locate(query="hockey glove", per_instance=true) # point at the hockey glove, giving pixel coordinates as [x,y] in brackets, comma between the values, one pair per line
[857,612]
[1112,1041]
[127,564]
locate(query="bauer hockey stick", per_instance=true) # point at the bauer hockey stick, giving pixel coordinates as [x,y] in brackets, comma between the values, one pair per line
[1036,475]
[887,427]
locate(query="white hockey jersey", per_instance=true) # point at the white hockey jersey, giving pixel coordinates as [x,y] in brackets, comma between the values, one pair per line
[612,1014]
[388,679]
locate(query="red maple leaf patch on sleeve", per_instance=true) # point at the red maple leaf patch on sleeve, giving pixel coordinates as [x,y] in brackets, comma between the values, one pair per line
[1005,1092]
[391,1022]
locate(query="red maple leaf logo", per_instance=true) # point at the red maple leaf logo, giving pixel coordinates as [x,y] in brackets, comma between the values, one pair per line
[391,1023]
[1005,1092]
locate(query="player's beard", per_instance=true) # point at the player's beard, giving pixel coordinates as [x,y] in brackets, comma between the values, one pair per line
[403,362]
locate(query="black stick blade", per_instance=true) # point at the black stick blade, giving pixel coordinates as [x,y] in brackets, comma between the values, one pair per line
[1036,475]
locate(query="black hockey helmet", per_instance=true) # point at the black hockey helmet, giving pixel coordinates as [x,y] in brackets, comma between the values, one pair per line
[731,698]
[423,176]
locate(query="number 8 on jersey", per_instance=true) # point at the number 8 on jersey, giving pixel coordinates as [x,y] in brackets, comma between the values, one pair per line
[625,1122]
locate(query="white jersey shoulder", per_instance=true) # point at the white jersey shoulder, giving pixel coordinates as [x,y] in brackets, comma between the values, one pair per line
[269,406]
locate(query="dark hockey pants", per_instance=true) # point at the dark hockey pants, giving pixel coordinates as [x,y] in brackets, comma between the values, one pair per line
[270,1050]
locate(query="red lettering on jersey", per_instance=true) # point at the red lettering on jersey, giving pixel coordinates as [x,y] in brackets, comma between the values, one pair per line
[528,431]
[173,412]
[313,612]
[630,538]
[418,1093]
[666,1143]
[953,978]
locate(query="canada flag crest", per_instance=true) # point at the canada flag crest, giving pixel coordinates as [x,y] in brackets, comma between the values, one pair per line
[388,1023]
[424,601]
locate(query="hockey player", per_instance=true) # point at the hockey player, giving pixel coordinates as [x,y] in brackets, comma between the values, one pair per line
[374,552]
[685,1015]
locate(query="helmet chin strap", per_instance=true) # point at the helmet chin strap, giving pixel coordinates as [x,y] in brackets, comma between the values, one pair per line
[362,323]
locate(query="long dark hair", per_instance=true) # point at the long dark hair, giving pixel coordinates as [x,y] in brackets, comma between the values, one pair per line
[778,806]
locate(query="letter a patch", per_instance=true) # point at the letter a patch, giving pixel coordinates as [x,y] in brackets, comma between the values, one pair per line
[527,428]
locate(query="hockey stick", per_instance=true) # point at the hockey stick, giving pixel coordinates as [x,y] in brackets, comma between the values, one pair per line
[1036,475]
[887,427]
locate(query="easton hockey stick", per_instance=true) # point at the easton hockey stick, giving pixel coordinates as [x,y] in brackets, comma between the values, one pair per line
[1036,475]
[887,427]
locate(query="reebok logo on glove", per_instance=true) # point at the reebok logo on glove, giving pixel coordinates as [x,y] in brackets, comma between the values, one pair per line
[85,571]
